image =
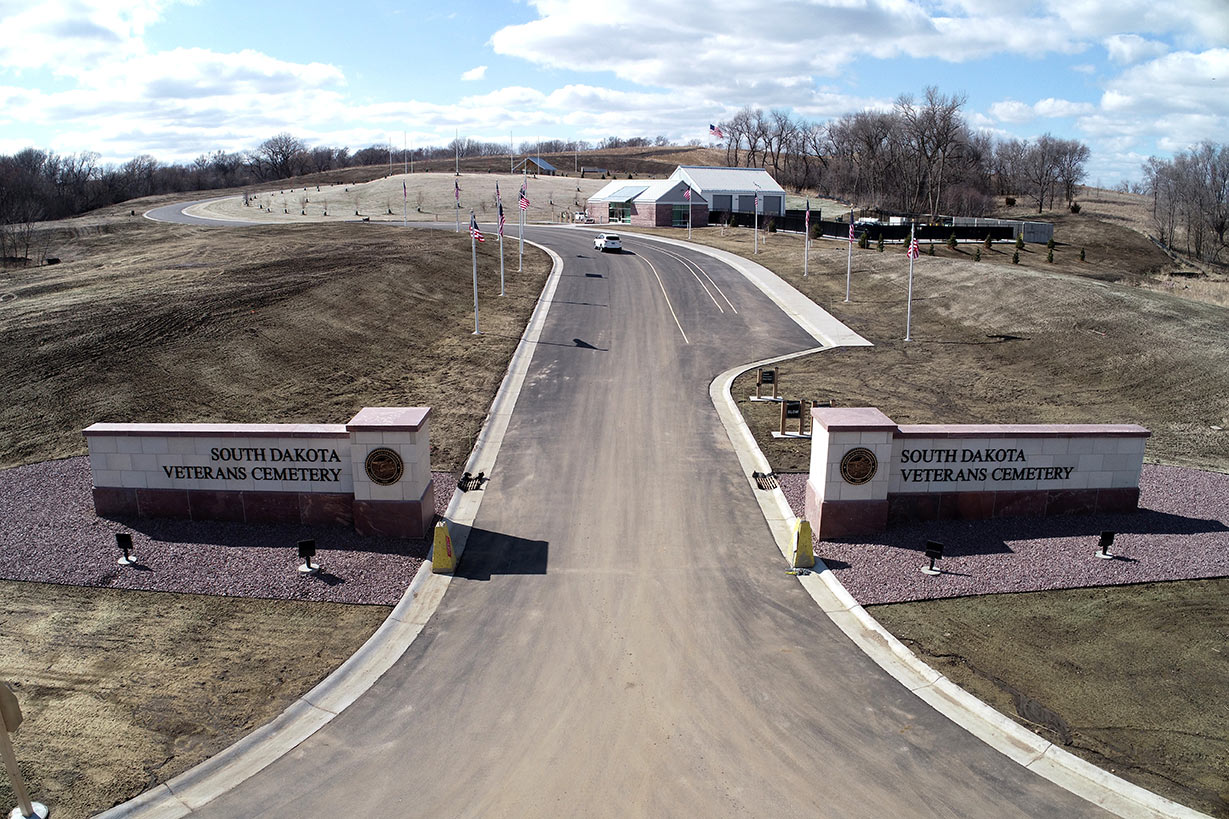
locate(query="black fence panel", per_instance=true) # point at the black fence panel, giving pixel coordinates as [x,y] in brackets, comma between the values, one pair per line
[795,220]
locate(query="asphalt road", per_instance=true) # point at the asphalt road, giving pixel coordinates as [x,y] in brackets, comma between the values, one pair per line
[621,638]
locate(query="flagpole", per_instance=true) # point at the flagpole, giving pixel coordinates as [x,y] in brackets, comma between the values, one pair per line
[689,214]
[456,187]
[757,220]
[909,306]
[501,261]
[473,249]
[520,259]
[849,256]
[806,240]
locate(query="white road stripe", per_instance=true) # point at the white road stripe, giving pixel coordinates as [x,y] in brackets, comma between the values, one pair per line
[689,267]
[690,263]
[667,295]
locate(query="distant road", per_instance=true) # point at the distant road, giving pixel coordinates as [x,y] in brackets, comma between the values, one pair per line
[175,213]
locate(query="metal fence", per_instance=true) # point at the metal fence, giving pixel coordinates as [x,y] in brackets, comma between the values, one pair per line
[794,221]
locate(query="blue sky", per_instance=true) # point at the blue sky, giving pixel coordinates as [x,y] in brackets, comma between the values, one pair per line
[179,78]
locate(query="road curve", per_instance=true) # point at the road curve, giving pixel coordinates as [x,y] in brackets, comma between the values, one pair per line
[621,639]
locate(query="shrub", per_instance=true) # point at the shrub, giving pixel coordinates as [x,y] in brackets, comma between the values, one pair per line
[986,244]
[863,240]
[879,244]
[951,241]
[977,255]
[1075,207]
[1010,201]
[931,249]
[815,230]
[1050,255]
[1020,242]
[1050,244]
[1015,257]
[1081,254]
[770,225]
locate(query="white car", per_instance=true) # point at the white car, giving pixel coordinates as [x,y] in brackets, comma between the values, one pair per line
[607,241]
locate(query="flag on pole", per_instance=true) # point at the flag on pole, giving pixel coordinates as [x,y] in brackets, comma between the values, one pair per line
[473,228]
[687,194]
[913,251]
[851,236]
[497,199]
[457,189]
[405,194]
[524,199]
[806,222]
[500,205]
[713,130]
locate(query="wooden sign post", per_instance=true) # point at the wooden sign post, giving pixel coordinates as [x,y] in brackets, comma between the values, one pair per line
[10,720]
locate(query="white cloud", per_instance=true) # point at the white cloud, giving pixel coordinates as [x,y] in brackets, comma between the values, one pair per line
[71,37]
[1131,48]
[475,73]
[1050,108]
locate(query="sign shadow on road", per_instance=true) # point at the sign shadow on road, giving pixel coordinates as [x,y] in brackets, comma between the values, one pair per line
[490,553]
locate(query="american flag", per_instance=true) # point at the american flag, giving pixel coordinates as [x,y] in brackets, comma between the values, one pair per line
[524,199]
[501,215]
[687,194]
[807,221]
[715,131]
[913,251]
[457,188]
[851,236]
[405,194]
[497,199]
[473,228]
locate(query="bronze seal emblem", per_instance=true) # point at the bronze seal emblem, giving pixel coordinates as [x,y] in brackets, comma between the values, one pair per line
[859,465]
[384,466]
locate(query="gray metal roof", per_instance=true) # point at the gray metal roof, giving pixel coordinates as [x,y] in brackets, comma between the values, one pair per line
[709,179]
[628,193]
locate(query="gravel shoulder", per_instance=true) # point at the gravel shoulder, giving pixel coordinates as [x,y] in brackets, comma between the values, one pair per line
[1180,532]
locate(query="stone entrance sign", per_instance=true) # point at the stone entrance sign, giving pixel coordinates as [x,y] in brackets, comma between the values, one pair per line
[868,472]
[372,473]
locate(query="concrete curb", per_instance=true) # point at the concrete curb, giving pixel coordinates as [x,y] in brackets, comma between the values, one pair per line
[1006,736]
[200,785]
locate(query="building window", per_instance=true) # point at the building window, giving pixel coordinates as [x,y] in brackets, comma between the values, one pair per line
[678,216]
[621,212]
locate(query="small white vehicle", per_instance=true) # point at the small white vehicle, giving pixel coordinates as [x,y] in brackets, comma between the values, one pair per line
[607,241]
[582,218]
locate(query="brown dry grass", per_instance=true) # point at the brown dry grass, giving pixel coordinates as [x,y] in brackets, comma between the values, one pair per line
[996,342]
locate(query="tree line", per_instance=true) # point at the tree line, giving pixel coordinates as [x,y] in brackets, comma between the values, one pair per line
[920,157]
[1190,200]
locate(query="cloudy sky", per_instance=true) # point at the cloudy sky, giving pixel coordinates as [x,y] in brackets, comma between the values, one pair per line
[178,78]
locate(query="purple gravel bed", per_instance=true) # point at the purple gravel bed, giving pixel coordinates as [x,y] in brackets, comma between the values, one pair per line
[50,534]
[1180,532]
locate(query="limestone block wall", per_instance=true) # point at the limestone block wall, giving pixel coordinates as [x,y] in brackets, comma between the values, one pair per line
[867,472]
[256,473]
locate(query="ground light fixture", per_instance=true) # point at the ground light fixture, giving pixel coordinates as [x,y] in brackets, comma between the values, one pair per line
[307,550]
[123,540]
[934,551]
[1103,547]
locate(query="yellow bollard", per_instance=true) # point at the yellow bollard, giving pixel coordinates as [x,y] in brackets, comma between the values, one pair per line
[804,549]
[443,559]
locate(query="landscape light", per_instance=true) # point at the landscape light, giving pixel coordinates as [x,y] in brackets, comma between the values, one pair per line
[1107,540]
[124,541]
[934,551]
[307,550]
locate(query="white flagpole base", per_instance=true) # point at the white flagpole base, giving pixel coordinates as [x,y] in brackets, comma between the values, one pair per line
[40,810]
